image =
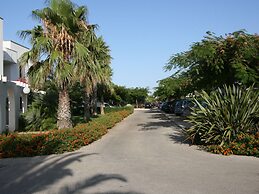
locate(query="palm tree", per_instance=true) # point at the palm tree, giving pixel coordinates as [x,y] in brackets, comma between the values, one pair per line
[56,50]
[102,58]
[101,73]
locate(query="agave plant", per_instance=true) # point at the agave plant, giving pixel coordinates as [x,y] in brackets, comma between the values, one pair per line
[227,112]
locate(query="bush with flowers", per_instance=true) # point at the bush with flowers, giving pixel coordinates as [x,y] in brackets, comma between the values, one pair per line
[244,144]
[59,141]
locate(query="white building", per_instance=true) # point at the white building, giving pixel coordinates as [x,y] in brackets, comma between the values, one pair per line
[13,101]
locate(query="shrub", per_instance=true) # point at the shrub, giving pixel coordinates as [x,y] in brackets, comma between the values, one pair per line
[247,144]
[229,112]
[41,113]
[59,141]
[115,109]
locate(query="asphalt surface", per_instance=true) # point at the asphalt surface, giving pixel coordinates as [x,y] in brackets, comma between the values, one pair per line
[142,154]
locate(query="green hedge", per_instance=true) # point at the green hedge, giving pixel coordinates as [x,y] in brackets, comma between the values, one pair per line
[59,141]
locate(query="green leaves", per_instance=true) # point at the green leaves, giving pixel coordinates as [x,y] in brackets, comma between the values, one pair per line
[226,113]
[215,61]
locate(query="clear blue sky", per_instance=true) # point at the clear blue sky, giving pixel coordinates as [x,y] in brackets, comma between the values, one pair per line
[143,34]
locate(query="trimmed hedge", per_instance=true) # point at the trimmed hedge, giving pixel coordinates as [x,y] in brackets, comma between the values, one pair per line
[59,141]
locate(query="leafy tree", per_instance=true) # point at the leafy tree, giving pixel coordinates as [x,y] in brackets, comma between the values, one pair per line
[172,87]
[120,95]
[57,50]
[218,60]
[138,95]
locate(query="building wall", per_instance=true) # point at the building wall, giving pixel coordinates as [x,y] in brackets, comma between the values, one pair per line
[2,86]
[1,48]
[3,96]
[12,52]
[11,90]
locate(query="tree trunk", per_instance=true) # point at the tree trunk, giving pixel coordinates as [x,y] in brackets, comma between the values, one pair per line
[64,112]
[94,100]
[102,106]
[87,107]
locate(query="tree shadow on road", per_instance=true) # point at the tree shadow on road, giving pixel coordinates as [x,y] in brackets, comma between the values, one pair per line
[29,175]
[80,187]
[42,173]
[162,121]
[118,192]
[178,136]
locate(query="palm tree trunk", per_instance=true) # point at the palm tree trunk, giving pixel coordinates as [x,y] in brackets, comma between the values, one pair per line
[64,112]
[87,107]
[102,106]
[94,100]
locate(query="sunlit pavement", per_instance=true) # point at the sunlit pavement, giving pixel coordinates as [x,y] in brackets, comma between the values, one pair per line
[144,153]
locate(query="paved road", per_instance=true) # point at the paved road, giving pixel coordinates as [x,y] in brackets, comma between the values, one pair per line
[142,154]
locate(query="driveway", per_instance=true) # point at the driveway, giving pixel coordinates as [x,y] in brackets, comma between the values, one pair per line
[142,154]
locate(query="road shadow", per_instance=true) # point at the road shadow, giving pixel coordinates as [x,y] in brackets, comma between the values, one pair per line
[42,173]
[152,110]
[30,175]
[81,186]
[160,121]
[178,136]
[163,120]
[118,192]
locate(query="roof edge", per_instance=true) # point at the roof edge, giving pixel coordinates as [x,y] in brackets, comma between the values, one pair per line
[18,44]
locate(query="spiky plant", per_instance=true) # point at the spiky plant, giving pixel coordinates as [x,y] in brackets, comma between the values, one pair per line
[228,112]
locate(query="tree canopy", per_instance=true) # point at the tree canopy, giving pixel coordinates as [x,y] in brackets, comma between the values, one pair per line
[172,87]
[212,62]
[218,60]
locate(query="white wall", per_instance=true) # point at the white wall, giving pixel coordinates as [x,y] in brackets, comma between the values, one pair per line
[9,54]
[11,70]
[1,47]
[13,52]
[20,49]
[3,95]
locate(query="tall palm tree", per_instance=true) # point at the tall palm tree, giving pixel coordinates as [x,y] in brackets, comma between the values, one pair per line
[104,59]
[100,57]
[57,50]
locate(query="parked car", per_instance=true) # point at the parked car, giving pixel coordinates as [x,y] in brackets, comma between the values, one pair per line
[148,105]
[105,105]
[168,107]
[172,106]
[183,107]
[165,107]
